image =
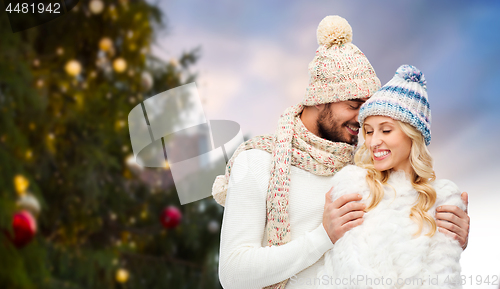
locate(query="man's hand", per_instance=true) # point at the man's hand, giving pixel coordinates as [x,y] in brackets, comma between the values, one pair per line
[342,215]
[454,222]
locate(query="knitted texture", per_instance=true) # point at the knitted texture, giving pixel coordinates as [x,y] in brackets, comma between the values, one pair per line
[339,71]
[403,98]
[307,151]
[293,145]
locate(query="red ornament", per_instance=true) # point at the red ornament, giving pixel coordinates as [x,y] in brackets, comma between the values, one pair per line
[24,225]
[171,217]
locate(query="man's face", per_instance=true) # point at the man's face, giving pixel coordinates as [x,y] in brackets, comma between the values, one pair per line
[338,122]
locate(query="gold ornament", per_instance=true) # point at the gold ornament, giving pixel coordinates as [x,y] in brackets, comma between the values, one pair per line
[96,6]
[78,97]
[125,236]
[73,67]
[106,44]
[174,62]
[137,16]
[122,275]
[119,65]
[130,160]
[127,174]
[21,184]
[119,124]
[50,142]
[29,154]
[132,47]
[144,214]
[112,12]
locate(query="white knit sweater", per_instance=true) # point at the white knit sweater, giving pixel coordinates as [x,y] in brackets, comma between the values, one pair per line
[382,252]
[245,260]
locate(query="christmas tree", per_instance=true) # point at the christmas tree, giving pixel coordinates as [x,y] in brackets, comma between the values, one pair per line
[75,212]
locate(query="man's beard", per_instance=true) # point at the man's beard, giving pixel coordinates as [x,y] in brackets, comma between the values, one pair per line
[330,129]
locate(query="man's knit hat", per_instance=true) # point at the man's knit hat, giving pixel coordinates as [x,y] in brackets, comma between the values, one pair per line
[339,71]
[403,98]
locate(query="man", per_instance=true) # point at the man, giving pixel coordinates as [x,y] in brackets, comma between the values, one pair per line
[278,223]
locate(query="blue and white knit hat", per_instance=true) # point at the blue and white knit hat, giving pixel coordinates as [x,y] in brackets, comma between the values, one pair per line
[403,98]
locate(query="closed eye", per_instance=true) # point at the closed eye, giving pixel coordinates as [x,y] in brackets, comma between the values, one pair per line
[354,105]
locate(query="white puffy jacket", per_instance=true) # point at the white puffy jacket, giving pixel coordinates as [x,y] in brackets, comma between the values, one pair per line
[383,252]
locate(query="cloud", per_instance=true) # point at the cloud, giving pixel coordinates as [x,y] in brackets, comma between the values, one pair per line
[255,74]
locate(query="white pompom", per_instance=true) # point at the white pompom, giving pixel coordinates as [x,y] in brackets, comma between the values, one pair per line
[334,30]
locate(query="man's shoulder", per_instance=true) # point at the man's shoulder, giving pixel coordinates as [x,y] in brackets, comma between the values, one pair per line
[256,161]
[254,155]
[257,148]
[448,193]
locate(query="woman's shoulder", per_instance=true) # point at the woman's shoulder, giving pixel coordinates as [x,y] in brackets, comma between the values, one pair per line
[350,179]
[445,187]
[447,193]
[348,174]
[350,171]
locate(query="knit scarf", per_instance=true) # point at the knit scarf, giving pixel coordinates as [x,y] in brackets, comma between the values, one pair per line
[292,145]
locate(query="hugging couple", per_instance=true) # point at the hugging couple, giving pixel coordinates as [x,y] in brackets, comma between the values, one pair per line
[385,216]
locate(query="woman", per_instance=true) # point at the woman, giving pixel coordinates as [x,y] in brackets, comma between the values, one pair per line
[397,246]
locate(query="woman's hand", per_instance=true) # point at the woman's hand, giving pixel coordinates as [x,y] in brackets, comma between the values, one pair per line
[342,215]
[454,222]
